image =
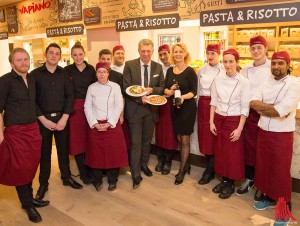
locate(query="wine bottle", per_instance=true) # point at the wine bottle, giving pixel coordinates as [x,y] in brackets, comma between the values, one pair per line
[177,96]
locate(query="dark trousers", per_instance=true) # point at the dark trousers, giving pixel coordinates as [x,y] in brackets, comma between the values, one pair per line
[83,169]
[141,129]
[164,156]
[25,195]
[249,172]
[62,145]
[112,175]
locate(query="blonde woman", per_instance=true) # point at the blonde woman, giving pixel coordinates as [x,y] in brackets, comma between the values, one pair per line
[182,77]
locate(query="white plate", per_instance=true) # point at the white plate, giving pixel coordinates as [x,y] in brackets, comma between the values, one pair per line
[156,96]
[135,95]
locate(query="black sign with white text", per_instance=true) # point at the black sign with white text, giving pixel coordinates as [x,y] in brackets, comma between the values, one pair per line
[147,23]
[3,35]
[252,15]
[76,29]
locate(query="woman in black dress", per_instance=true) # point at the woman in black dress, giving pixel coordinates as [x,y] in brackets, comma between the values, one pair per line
[183,117]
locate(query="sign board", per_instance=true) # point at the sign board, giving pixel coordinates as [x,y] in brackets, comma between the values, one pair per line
[91,15]
[161,5]
[148,23]
[69,10]
[3,35]
[252,15]
[75,29]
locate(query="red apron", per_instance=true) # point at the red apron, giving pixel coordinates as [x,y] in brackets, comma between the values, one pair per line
[106,149]
[250,142]
[229,156]
[20,154]
[205,137]
[273,164]
[126,132]
[164,133]
[78,142]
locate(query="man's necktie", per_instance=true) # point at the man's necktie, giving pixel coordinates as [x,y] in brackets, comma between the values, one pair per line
[146,76]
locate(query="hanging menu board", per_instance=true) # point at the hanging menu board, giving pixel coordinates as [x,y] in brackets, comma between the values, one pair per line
[69,10]
[161,5]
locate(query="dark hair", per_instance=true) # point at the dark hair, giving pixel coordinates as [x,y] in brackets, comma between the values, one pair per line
[104,51]
[289,70]
[53,45]
[77,45]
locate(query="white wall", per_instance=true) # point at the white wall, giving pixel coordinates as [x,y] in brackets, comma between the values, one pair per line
[130,40]
[4,63]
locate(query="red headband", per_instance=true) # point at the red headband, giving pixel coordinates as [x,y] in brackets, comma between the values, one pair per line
[164,47]
[213,48]
[258,40]
[102,65]
[232,52]
[118,47]
[283,55]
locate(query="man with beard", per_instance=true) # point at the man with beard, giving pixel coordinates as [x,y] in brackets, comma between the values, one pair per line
[20,142]
[276,101]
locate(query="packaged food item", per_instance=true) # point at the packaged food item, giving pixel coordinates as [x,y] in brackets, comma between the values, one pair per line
[284,32]
[264,32]
[271,33]
[294,32]
[256,32]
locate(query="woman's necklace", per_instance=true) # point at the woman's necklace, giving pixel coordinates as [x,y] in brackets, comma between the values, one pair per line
[180,69]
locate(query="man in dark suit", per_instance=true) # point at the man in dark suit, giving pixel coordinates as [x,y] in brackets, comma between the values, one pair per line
[141,116]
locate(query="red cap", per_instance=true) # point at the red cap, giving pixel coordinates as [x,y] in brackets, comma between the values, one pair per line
[118,47]
[232,52]
[102,65]
[258,40]
[164,47]
[214,48]
[283,55]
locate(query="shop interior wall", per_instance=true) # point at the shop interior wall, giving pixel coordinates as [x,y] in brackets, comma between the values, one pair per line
[4,63]
[97,39]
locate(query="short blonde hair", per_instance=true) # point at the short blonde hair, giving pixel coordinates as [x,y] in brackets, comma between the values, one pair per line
[145,42]
[187,59]
[14,51]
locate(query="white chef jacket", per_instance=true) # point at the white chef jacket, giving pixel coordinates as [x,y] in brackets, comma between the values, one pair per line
[165,68]
[257,75]
[119,69]
[231,95]
[103,102]
[284,94]
[206,77]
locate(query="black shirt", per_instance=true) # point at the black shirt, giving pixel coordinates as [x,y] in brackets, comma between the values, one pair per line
[54,92]
[81,80]
[116,77]
[17,100]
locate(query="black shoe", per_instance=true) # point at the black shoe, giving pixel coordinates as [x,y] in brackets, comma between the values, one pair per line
[206,178]
[259,196]
[166,169]
[188,170]
[136,182]
[147,171]
[39,203]
[86,180]
[72,183]
[98,185]
[112,186]
[218,188]
[159,166]
[33,214]
[227,191]
[40,194]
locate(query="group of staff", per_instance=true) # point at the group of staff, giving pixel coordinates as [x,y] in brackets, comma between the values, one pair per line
[83,108]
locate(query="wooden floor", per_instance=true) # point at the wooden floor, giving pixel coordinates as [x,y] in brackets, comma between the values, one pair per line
[156,202]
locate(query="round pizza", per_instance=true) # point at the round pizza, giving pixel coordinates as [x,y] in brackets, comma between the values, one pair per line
[136,89]
[157,100]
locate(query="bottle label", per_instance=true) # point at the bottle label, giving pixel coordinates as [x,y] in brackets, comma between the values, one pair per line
[177,93]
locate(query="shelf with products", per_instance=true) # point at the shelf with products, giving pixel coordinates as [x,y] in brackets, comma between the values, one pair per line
[209,35]
[280,36]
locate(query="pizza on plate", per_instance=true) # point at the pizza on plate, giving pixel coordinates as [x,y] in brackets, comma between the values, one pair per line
[136,89]
[157,99]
